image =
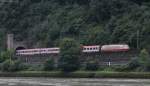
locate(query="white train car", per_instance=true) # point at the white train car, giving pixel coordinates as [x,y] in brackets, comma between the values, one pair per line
[115,48]
[38,51]
[91,49]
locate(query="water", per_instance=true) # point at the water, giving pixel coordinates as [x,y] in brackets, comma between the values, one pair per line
[72,82]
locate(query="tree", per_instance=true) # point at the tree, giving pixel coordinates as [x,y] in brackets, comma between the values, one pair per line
[69,55]
[144,59]
[140,1]
[45,22]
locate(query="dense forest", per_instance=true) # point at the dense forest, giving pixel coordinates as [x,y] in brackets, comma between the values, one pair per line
[43,23]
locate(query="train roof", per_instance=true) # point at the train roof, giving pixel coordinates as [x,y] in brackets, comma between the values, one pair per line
[115,48]
[38,49]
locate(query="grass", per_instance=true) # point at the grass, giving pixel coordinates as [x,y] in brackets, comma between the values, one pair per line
[77,74]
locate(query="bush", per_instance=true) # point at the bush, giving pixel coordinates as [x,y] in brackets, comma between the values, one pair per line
[5,55]
[144,59]
[11,66]
[92,65]
[109,69]
[34,67]
[120,68]
[49,65]
[133,65]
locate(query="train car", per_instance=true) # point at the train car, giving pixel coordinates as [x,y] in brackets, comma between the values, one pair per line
[115,48]
[38,51]
[91,49]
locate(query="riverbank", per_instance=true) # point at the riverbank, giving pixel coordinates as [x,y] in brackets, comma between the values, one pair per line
[78,74]
[42,81]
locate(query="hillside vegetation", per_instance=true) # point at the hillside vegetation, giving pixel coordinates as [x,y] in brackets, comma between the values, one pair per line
[45,22]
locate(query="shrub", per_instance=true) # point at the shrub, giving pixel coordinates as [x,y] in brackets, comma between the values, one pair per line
[121,68]
[132,65]
[109,69]
[92,65]
[11,66]
[6,55]
[144,59]
[34,67]
[49,65]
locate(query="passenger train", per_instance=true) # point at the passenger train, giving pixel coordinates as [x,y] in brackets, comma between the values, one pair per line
[85,49]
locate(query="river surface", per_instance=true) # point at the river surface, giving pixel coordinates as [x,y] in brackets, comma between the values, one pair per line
[72,82]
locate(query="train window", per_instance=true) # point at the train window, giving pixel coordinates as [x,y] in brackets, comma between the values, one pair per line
[50,50]
[90,48]
[87,48]
[55,49]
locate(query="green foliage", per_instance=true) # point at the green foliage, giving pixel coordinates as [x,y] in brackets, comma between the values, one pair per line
[45,23]
[69,55]
[2,38]
[133,65]
[49,65]
[11,66]
[33,67]
[109,69]
[5,55]
[92,65]
[144,59]
[121,68]
[134,75]
[78,74]
[131,27]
